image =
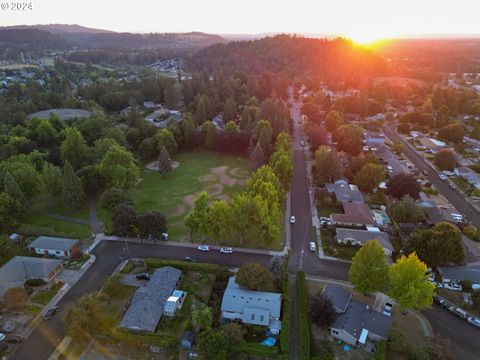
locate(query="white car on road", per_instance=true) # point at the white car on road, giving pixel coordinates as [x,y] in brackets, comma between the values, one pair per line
[442,177]
[474,321]
[292,219]
[313,247]
[204,248]
[226,250]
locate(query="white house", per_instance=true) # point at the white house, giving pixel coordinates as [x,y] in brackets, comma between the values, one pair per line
[53,246]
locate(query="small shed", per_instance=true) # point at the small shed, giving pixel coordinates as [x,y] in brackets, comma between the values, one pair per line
[187,340]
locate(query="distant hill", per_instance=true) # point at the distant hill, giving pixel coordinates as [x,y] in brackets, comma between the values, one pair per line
[59,28]
[29,39]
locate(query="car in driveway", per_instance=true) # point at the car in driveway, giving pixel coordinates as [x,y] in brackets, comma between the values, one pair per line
[2,336]
[190,259]
[474,321]
[292,219]
[452,286]
[226,250]
[50,312]
[312,246]
[204,248]
[442,177]
[143,276]
[387,310]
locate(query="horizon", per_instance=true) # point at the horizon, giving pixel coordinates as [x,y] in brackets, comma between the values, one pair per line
[370,21]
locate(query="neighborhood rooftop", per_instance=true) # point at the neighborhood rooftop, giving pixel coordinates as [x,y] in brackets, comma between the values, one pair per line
[355,213]
[338,296]
[471,273]
[53,243]
[362,236]
[148,302]
[345,191]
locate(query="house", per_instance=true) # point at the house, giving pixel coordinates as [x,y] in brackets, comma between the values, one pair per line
[460,273]
[355,214]
[251,307]
[345,192]
[21,268]
[148,302]
[174,303]
[187,340]
[357,324]
[53,246]
[360,237]
[468,174]
[372,138]
[432,144]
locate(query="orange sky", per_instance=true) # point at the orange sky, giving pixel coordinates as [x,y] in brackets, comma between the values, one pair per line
[362,20]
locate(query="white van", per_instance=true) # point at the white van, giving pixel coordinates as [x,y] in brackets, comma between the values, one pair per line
[457,311]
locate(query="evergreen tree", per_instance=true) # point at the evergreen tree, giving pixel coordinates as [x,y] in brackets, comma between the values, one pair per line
[164,163]
[258,157]
[72,192]
[11,188]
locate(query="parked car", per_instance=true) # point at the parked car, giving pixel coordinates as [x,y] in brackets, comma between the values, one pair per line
[292,219]
[452,186]
[15,339]
[313,247]
[457,311]
[442,177]
[387,310]
[190,259]
[226,250]
[474,321]
[50,312]
[143,276]
[425,172]
[2,336]
[204,248]
[452,286]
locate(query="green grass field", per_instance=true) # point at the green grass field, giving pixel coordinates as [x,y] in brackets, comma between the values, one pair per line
[42,225]
[220,175]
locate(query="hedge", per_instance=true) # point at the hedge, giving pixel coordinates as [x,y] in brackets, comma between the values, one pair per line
[184,265]
[303,320]
[162,340]
[286,313]
[380,352]
[256,349]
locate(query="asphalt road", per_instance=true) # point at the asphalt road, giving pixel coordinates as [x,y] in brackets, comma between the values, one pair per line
[465,338]
[46,337]
[455,197]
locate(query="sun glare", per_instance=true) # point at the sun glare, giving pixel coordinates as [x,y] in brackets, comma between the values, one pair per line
[366,38]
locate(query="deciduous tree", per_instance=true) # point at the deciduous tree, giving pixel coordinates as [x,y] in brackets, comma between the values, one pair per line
[322,311]
[125,221]
[253,276]
[402,184]
[152,224]
[119,168]
[369,270]
[445,160]
[369,177]
[72,191]
[74,149]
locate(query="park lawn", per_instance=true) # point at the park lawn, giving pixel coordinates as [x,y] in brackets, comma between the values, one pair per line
[46,204]
[42,225]
[174,193]
[43,296]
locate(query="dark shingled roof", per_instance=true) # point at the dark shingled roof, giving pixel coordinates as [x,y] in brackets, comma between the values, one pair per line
[337,295]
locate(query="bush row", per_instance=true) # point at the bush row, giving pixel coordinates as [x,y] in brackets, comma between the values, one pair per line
[303,320]
[162,340]
[184,265]
[286,312]
[255,349]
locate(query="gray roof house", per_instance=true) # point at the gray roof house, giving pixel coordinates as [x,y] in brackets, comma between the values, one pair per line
[148,302]
[358,324]
[345,192]
[459,273]
[252,307]
[360,237]
[53,246]
[21,268]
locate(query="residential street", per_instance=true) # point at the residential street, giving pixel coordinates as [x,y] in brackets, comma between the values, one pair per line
[455,197]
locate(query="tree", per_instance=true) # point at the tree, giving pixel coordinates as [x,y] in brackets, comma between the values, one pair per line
[164,162]
[440,245]
[322,311]
[253,276]
[334,120]
[369,177]
[11,188]
[147,148]
[328,167]
[113,197]
[229,110]
[403,128]
[476,299]
[125,221]
[119,168]
[231,130]
[264,133]
[201,318]
[452,132]
[409,284]
[52,179]
[198,218]
[16,298]
[258,157]
[210,134]
[259,181]
[369,268]
[442,348]
[165,138]
[402,184]
[188,128]
[45,133]
[233,332]
[397,341]
[312,112]
[397,147]
[349,138]
[74,149]
[152,224]
[282,165]
[112,286]
[445,160]
[284,143]
[212,345]
[72,191]
[92,179]
[220,220]
[406,211]
[476,132]
[10,212]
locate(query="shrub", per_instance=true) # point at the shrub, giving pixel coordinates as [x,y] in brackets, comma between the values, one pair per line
[35,282]
[255,349]
[303,318]
[466,285]
[380,353]
[184,265]
[16,298]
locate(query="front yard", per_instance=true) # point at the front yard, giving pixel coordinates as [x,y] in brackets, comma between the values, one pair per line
[331,248]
